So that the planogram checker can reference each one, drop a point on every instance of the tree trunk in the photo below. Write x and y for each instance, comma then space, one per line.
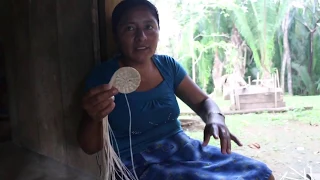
289, 75
311, 53
286, 55
216, 73
194, 70
239, 62
283, 71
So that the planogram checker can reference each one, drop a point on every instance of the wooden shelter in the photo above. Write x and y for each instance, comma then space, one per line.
265, 95
50, 46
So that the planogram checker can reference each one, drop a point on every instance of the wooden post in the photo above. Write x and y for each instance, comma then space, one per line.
237, 98
51, 48
111, 45
275, 90
278, 81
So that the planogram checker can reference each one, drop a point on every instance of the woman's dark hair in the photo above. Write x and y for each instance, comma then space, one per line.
126, 5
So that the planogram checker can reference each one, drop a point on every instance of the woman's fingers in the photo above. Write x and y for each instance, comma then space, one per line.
215, 131
222, 133
104, 112
97, 90
98, 102
100, 97
224, 139
99, 111
229, 144
207, 133
102, 105
235, 139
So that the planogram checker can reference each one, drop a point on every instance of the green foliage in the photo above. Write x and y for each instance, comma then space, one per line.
304, 77
205, 27
258, 22
299, 38
204, 30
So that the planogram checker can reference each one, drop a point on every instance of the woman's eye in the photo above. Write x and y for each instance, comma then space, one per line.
149, 27
130, 28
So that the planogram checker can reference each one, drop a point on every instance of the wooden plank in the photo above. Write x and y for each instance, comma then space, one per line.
21, 164
76, 60
7, 45
25, 120
111, 46
102, 30
95, 31
259, 98
261, 105
257, 89
5, 131
53, 44
46, 71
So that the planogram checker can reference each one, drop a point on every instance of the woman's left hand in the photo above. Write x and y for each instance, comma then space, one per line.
218, 129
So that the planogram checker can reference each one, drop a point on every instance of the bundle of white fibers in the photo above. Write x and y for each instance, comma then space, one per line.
126, 80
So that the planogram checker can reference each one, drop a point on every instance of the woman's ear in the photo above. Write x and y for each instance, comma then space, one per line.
116, 42
118, 48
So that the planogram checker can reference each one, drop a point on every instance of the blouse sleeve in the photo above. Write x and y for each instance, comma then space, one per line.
178, 72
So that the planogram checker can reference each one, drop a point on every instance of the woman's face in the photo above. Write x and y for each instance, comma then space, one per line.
138, 34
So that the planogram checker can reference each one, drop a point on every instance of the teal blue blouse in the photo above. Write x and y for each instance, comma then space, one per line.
154, 112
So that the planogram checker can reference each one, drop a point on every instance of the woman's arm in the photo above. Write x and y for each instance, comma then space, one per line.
97, 104
196, 99
209, 112
90, 135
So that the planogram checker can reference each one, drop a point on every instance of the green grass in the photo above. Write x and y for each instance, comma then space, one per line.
291, 101
237, 123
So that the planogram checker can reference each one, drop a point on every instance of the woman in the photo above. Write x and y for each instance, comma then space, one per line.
161, 149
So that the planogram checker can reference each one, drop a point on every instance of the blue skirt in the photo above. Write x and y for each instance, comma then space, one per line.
181, 157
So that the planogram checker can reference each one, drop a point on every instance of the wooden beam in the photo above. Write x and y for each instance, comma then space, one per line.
7, 40
111, 46
52, 47
76, 59
22, 79
49, 52
46, 78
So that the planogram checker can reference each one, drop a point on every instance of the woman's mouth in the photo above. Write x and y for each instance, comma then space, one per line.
142, 48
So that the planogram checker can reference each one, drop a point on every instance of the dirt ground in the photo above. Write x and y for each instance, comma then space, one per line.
289, 148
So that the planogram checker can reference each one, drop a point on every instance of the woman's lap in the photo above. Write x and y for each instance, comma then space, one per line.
180, 157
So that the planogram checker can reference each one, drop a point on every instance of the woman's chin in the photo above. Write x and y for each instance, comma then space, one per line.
142, 57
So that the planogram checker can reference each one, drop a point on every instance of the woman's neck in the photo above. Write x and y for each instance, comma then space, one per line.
143, 66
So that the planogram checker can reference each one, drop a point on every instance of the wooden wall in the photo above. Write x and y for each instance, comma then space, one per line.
50, 46
109, 6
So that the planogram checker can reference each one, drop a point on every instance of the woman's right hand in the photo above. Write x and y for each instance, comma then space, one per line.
99, 101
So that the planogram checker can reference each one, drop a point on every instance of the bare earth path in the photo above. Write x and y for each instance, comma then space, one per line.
286, 147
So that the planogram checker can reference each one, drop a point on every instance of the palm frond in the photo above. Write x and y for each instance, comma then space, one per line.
305, 77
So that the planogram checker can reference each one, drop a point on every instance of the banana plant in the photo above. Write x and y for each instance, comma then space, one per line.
258, 22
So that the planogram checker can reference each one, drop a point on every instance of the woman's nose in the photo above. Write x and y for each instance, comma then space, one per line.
140, 35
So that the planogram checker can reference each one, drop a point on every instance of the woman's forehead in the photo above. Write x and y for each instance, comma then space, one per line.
138, 14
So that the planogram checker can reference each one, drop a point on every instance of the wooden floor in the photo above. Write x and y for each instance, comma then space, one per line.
20, 164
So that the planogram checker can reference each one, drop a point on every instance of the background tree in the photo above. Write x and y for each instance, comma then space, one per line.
273, 34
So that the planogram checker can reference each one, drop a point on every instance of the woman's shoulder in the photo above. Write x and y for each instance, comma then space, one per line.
165, 61
170, 68
163, 58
